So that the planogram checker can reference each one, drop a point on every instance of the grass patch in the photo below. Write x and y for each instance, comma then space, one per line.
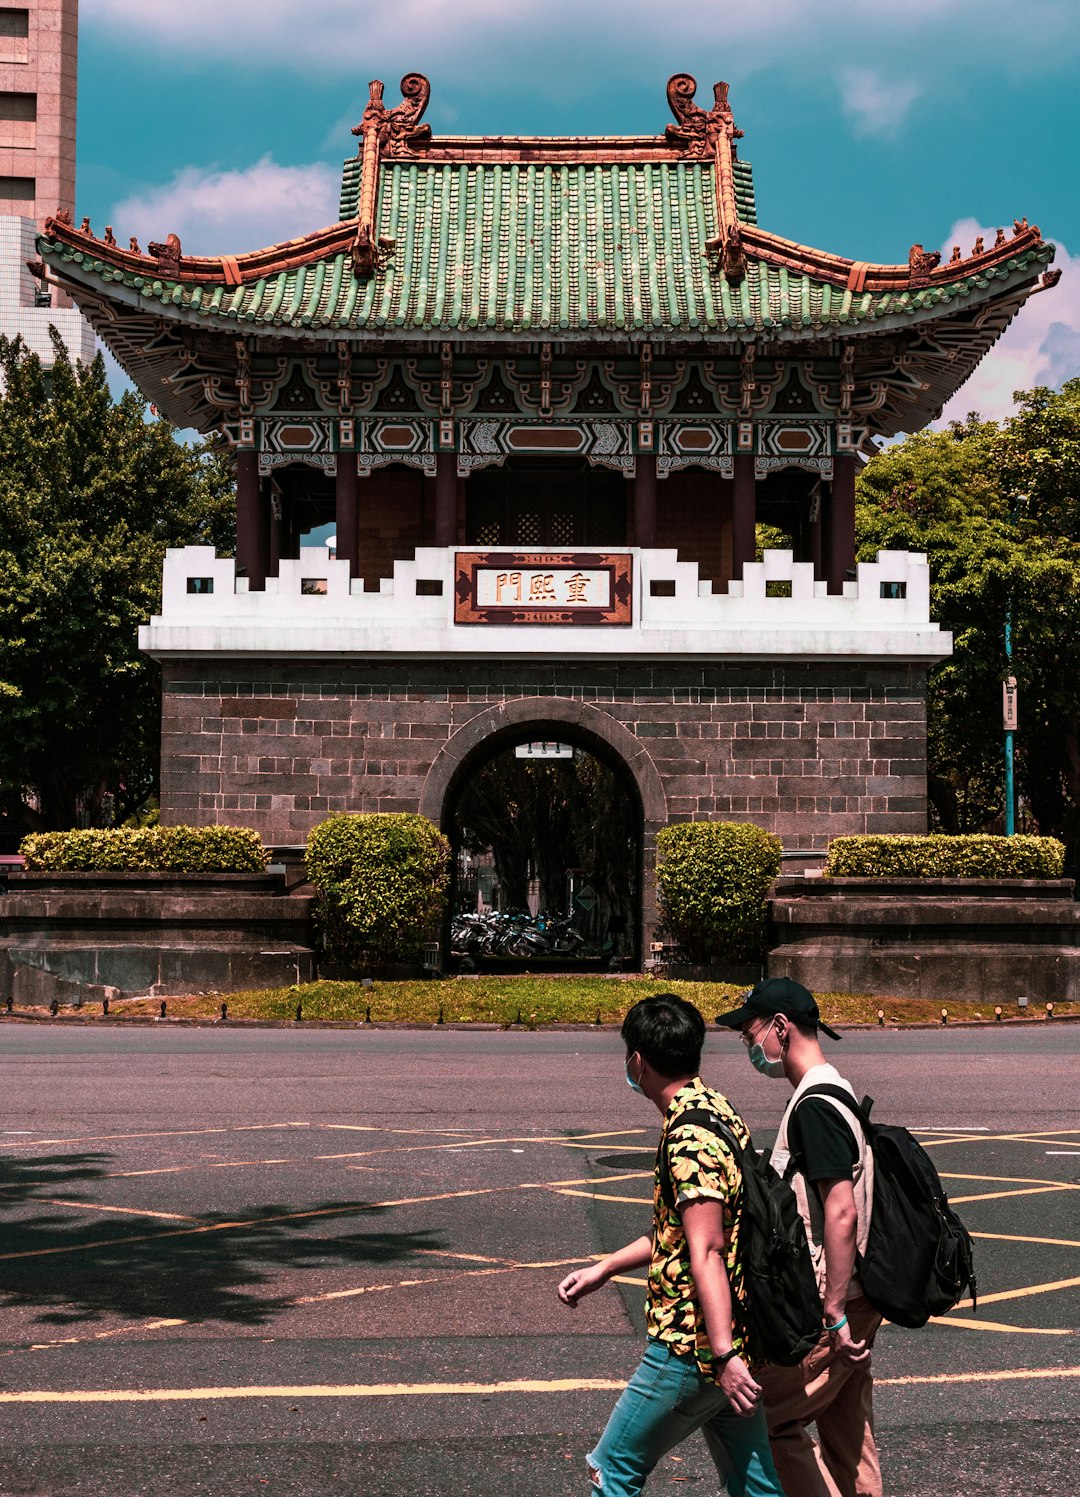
538, 1000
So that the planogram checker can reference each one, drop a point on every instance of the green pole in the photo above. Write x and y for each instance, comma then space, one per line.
1010, 786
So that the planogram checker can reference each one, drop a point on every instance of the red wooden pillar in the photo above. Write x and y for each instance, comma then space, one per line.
347, 512
446, 499
645, 499
743, 515
842, 522
252, 522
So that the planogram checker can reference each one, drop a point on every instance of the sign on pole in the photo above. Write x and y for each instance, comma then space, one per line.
1009, 704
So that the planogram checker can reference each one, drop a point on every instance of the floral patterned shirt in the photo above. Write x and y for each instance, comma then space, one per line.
702, 1165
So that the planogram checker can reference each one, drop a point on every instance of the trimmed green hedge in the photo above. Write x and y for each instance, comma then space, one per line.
712, 878
152, 849
381, 882
941, 856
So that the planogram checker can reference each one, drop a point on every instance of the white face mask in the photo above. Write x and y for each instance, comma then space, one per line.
761, 1062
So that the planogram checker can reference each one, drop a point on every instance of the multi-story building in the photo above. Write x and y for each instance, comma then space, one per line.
38, 60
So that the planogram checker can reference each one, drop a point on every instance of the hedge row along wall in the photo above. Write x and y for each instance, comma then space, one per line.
940, 856
152, 849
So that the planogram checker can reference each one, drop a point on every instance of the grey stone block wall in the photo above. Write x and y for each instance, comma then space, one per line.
807, 751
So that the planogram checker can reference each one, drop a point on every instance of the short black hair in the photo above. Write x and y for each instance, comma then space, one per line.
666, 1031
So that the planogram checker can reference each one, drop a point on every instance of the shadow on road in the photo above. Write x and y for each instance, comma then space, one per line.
75, 1269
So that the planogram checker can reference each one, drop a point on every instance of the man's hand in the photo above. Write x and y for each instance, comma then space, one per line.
581, 1282
737, 1382
855, 1353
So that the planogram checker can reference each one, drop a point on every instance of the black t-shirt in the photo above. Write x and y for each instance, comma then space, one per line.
821, 1142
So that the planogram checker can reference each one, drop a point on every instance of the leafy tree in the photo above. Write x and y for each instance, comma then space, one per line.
544, 817
996, 509
91, 493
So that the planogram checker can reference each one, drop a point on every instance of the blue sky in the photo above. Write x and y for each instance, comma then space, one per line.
870, 124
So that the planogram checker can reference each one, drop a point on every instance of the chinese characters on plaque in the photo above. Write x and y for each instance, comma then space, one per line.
495, 587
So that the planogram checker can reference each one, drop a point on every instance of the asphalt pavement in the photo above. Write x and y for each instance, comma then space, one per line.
324, 1262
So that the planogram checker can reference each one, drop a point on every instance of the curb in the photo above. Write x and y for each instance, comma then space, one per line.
145, 1021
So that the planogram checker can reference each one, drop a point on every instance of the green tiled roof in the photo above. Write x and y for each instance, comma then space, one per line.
591, 248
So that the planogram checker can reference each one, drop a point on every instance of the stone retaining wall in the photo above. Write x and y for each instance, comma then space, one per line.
87, 936
944, 939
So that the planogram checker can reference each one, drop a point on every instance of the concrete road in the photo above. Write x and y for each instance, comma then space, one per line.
315, 1262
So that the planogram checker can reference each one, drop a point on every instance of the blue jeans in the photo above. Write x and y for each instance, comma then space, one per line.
666, 1400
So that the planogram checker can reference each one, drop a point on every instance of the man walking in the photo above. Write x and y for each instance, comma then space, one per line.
695, 1373
822, 1150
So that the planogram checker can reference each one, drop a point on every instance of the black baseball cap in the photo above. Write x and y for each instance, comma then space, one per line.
777, 995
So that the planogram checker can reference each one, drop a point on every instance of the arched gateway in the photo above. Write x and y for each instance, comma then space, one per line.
546, 389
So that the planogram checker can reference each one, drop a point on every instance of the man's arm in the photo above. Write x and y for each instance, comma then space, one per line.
839, 1241
583, 1281
703, 1224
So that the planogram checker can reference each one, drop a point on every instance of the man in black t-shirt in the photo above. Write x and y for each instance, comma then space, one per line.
821, 1149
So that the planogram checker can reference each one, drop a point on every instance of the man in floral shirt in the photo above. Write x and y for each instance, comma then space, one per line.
695, 1373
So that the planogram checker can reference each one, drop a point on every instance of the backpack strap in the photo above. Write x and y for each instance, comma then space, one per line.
701, 1117
860, 1110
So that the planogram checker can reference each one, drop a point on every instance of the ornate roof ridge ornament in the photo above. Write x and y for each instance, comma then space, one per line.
394, 133
700, 134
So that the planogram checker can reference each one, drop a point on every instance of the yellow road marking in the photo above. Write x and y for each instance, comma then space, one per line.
1017, 1374
1009, 1294
1042, 1241
1004, 1195
315, 1390
100, 1138
1015, 1180
429, 1390
998, 1325
996, 1138
592, 1195
169, 1216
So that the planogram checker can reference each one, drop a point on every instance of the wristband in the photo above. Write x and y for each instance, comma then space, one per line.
725, 1358
839, 1326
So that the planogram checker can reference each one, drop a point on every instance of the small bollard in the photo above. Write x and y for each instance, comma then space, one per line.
10, 1002
163, 1008
1022, 1004
54, 1008
1049, 1010
105, 1007
440, 1019
596, 1021
299, 1013
518, 1020
367, 1014
881, 1018
997, 1013
224, 1011
944, 1016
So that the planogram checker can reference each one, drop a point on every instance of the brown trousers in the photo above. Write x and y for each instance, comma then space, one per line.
828, 1391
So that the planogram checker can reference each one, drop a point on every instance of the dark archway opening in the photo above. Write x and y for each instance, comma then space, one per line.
546, 502
546, 825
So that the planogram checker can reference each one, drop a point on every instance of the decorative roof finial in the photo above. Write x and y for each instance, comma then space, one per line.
697, 130
398, 130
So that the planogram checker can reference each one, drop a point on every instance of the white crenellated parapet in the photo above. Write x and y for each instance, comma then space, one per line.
777, 611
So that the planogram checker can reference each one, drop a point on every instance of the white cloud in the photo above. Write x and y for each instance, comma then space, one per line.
231, 212
566, 44
1040, 347
874, 106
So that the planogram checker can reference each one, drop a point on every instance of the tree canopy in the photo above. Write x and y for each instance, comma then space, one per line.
996, 507
92, 490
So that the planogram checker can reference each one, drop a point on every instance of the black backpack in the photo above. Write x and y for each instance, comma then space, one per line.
919, 1258
783, 1307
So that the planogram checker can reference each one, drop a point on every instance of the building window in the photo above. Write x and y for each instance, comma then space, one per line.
18, 121
662, 588
428, 587
200, 584
313, 587
17, 189
778, 589
14, 34
894, 589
